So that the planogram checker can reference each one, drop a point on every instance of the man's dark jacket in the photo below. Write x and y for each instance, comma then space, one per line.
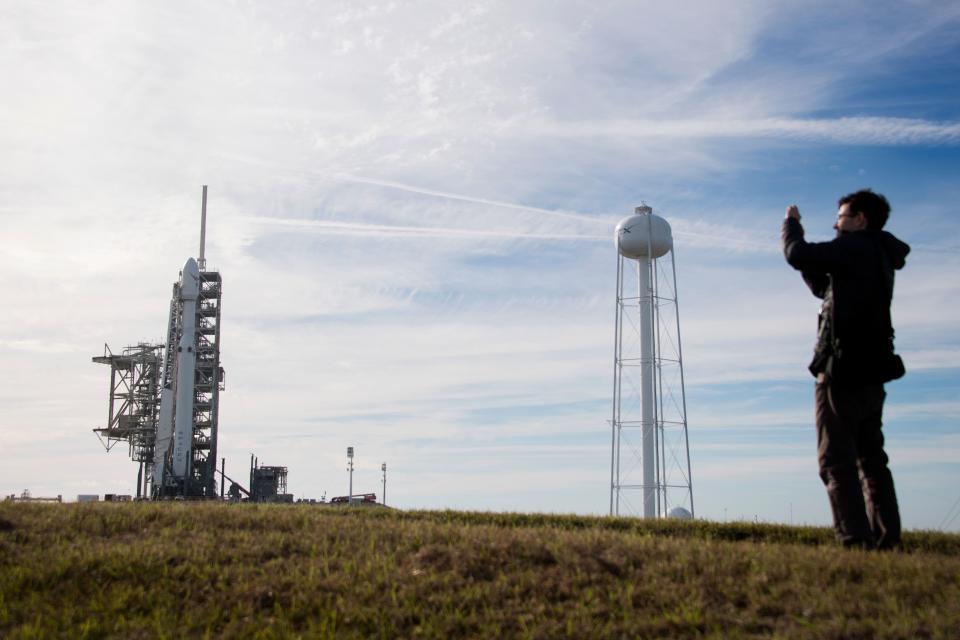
853, 274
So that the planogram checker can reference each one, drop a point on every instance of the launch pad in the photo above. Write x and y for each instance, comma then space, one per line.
165, 399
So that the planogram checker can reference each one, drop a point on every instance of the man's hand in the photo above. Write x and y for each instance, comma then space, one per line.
793, 211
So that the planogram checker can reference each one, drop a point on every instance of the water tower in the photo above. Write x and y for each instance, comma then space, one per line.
650, 453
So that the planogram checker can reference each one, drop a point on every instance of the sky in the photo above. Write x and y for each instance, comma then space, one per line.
412, 206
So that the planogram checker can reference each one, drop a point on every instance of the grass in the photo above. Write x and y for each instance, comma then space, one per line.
174, 570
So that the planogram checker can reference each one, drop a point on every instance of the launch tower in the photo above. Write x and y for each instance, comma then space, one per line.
185, 456
168, 409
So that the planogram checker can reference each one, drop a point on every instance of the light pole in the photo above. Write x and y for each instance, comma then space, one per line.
383, 467
350, 469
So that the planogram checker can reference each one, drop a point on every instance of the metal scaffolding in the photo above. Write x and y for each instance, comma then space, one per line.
134, 405
208, 383
268, 484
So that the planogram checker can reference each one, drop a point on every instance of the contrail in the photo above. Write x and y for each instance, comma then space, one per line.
390, 184
346, 177
362, 228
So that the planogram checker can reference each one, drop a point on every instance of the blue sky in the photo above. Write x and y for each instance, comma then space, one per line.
412, 205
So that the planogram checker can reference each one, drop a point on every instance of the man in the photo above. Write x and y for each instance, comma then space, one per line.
853, 274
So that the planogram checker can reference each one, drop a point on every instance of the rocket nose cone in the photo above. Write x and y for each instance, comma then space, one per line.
190, 266
190, 280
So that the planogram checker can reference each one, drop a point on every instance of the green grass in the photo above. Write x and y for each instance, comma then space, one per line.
178, 570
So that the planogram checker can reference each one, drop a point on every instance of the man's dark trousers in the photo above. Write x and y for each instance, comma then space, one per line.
853, 464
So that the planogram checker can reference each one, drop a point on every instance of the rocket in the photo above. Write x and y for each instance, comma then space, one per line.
186, 370
173, 448
185, 446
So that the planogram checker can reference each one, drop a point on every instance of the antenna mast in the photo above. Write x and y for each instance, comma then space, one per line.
201, 261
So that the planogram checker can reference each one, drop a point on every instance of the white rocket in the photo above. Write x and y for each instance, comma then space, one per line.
175, 429
186, 370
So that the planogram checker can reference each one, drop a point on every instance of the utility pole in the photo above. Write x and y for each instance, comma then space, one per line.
383, 467
350, 469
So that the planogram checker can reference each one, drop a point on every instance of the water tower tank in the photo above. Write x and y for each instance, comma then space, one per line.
642, 233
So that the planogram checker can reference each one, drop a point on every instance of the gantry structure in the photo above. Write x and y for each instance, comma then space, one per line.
165, 399
199, 448
134, 405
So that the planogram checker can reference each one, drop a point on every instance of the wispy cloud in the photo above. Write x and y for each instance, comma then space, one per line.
845, 130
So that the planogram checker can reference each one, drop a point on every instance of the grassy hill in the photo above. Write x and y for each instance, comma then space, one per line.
174, 570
